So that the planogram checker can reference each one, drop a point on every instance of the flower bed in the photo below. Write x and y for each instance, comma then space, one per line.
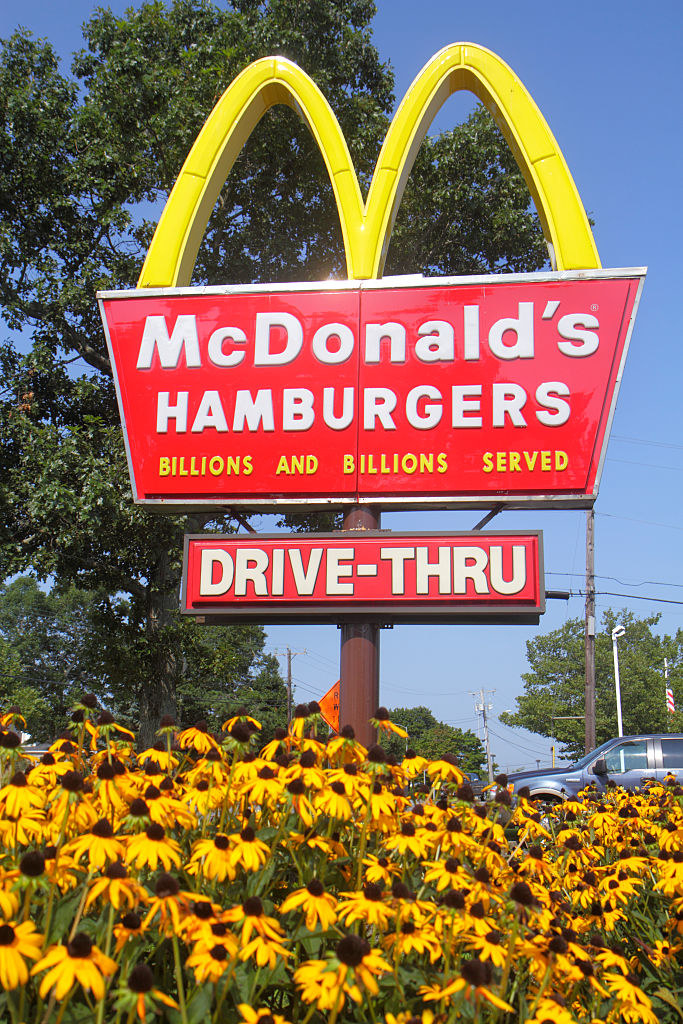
205, 880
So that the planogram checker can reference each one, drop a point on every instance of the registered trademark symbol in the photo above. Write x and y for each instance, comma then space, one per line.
594, 307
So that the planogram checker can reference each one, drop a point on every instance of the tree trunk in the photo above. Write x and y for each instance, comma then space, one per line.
158, 690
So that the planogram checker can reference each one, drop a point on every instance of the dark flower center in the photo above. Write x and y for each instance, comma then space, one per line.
476, 972
72, 781
131, 921
522, 894
18, 779
315, 887
6, 934
116, 870
377, 754
247, 834
203, 910
80, 946
155, 832
452, 865
407, 828
152, 793
372, 892
219, 928
252, 906
105, 771
140, 978
296, 787
106, 718
351, 950
102, 829
138, 808
32, 864
221, 842
218, 952
382, 715
166, 886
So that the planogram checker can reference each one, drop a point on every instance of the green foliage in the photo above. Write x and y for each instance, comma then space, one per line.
87, 160
555, 684
431, 738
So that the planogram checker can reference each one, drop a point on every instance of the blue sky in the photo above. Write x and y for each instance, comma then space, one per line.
607, 76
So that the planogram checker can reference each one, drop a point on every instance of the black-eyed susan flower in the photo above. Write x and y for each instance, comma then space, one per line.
383, 723
315, 903
211, 858
77, 962
197, 738
153, 847
351, 970
247, 850
446, 769
116, 887
367, 905
414, 938
100, 845
210, 963
131, 926
169, 903
139, 996
18, 943
261, 1016
19, 797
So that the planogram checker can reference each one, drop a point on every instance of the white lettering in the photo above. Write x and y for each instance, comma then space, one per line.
522, 327
436, 342
432, 412
297, 409
166, 412
579, 342
253, 411
378, 404
498, 582
397, 557
208, 587
346, 343
424, 569
335, 571
376, 333
210, 414
469, 563
304, 580
547, 395
466, 399
508, 399
343, 421
155, 335
294, 339
250, 567
215, 350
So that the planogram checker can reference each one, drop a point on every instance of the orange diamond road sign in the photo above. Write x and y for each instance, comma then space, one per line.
329, 707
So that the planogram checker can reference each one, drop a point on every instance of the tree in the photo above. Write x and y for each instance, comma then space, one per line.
88, 160
554, 686
431, 738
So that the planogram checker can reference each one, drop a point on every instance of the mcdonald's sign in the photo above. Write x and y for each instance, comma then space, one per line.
404, 391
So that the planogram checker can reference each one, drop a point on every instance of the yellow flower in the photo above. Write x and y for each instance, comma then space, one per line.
139, 994
210, 963
100, 845
382, 722
445, 769
197, 738
366, 906
212, 858
116, 887
354, 967
248, 851
151, 847
18, 942
251, 1016
168, 902
79, 961
317, 904
18, 797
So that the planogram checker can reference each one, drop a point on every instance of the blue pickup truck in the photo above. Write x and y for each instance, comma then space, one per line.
627, 761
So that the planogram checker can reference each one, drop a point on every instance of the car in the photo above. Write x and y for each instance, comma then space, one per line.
476, 782
627, 761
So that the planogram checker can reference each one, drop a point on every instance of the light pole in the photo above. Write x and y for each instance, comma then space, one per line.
616, 633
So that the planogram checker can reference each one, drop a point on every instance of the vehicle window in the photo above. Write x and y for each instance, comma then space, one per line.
626, 757
672, 754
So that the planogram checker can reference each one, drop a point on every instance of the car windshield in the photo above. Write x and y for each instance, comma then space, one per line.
593, 755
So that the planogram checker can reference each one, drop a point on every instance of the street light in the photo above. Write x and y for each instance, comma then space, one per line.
616, 633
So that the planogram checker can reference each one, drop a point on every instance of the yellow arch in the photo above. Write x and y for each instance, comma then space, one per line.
366, 228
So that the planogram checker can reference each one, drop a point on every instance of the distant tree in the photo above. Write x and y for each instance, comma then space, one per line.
554, 686
54, 646
431, 738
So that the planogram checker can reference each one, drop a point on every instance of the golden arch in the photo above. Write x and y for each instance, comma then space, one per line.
366, 227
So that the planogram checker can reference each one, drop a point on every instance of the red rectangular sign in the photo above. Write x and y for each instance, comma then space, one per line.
401, 392
413, 577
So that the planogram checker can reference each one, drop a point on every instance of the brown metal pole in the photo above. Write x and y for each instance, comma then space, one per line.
590, 630
359, 656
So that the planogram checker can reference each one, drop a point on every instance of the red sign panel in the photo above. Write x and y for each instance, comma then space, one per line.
370, 575
412, 391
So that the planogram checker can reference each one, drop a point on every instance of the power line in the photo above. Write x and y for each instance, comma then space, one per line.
631, 597
648, 465
644, 522
623, 583
642, 440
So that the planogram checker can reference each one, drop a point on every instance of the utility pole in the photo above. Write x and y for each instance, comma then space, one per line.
289, 654
590, 631
482, 708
